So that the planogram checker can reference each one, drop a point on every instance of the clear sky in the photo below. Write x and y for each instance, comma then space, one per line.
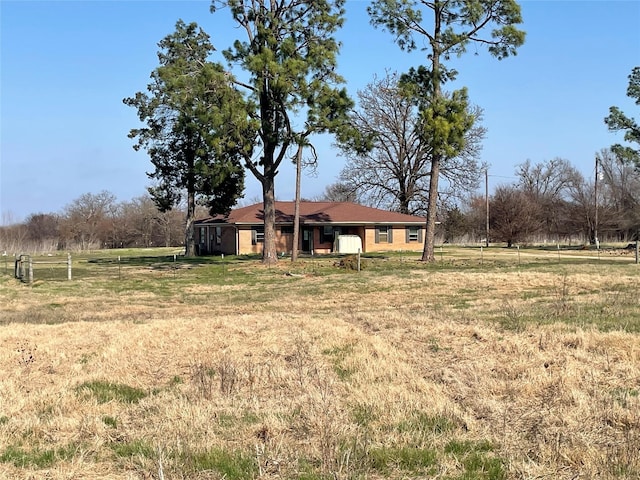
65, 67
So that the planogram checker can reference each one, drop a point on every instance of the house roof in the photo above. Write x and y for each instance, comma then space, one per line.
315, 213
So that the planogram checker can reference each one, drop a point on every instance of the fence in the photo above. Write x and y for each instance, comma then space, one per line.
24, 266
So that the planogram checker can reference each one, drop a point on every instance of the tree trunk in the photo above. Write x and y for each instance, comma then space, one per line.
189, 237
296, 209
269, 252
428, 253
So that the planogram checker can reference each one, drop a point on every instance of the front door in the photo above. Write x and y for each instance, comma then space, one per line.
307, 239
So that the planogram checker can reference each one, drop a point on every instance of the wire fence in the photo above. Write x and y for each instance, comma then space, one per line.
64, 267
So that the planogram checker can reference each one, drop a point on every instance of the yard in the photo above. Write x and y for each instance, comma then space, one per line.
493, 364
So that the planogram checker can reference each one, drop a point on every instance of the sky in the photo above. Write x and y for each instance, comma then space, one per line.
65, 67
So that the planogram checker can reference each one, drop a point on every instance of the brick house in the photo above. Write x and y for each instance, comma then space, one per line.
242, 231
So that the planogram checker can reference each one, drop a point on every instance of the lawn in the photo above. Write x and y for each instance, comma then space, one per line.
499, 364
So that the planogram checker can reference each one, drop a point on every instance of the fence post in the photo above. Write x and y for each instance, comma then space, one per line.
637, 251
30, 270
68, 266
358, 259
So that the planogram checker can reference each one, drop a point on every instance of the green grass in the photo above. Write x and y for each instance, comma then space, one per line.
110, 421
133, 448
426, 425
338, 355
229, 465
39, 458
416, 461
104, 391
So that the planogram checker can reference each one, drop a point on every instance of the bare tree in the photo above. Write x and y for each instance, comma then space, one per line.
395, 173
86, 222
514, 217
548, 184
620, 196
339, 192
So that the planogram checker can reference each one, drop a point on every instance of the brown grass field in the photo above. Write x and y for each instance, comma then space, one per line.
473, 368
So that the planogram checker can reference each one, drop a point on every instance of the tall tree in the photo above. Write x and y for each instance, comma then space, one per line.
618, 121
394, 173
195, 128
454, 25
290, 57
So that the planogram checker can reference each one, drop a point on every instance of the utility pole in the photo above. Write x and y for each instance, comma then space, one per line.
486, 199
595, 226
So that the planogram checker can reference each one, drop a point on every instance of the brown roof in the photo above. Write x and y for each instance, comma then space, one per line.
315, 213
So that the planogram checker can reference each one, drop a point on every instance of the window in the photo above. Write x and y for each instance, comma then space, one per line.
218, 236
257, 235
286, 230
326, 234
384, 234
414, 234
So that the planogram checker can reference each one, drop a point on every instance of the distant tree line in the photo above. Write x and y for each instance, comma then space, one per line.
549, 201
95, 221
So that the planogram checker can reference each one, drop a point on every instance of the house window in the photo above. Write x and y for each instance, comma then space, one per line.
257, 235
414, 234
218, 239
286, 230
326, 234
203, 235
384, 234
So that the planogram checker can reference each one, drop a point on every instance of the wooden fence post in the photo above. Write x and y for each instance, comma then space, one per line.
68, 266
30, 270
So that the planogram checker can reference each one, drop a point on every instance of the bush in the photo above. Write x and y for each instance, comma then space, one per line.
351, 263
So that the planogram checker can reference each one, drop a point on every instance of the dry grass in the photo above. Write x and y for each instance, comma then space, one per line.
401, 371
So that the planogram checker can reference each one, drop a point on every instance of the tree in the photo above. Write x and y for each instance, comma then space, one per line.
620, 196
394, 173
86, 221
42, 229
618, 121
456, 24
548, 185
290, 56
339, 192
195, 127
514, 217
455, 224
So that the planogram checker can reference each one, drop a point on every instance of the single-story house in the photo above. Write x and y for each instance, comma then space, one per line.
321, 225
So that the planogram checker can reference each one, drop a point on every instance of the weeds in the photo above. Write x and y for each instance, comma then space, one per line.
203, 377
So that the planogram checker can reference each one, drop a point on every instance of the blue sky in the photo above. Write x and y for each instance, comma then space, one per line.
65, 67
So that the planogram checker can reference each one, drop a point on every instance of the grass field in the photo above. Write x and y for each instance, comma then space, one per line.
493, 365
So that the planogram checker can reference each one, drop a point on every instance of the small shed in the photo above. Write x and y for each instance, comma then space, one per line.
348, 244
